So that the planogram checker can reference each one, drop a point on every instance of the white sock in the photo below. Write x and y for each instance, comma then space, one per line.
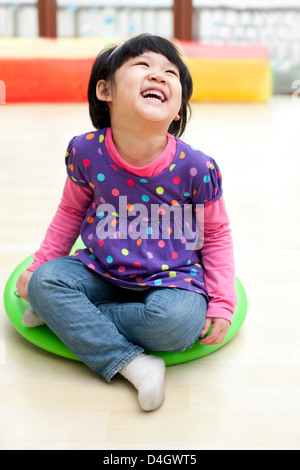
147, 374
31, 318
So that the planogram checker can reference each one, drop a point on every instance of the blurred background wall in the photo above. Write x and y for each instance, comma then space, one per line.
273, 24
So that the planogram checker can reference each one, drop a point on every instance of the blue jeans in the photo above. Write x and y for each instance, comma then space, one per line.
106, 326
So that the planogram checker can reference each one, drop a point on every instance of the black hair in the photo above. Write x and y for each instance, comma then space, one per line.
111, 59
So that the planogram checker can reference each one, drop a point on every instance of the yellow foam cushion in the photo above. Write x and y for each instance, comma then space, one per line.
230, 79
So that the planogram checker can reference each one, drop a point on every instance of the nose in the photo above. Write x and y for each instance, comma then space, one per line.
157, 77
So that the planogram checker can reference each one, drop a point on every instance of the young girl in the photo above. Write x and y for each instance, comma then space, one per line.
147, 279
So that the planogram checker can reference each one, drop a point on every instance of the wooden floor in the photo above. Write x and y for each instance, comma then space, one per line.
244, 396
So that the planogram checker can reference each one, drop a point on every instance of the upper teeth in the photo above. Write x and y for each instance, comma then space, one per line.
154, 94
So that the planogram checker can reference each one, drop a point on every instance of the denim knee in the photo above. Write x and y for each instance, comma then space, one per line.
177, 324
48, 277
37, 284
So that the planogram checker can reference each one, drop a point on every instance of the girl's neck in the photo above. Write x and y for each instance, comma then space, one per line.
138, 149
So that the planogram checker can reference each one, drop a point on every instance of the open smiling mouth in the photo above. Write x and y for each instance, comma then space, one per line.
154, 95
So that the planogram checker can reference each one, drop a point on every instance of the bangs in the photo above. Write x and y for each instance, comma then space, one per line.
145, 43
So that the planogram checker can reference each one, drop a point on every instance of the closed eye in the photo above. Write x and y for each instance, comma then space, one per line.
142, 63
173, 72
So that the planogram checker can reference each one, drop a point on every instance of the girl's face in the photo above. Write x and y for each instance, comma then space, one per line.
146, 87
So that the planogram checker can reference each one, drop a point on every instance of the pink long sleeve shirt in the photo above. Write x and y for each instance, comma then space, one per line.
216, 253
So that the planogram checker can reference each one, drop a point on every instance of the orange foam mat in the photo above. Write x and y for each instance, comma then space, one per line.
45, 80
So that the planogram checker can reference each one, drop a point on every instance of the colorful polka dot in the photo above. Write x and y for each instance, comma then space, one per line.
121, 269
206, 179
125, 252
100, 177
161, 243
90, 136
176, 180
114, 167
143, 180
193, 272
115, 192
182, 155
174, 255
150, 255
137, 264
161, 211
172, 167
160, 190
193, 171
158, 282
90, 220
91, 266
139, 242
101, 138
130, 182
172, 274
109, 259
100, 242
145, 198
86, 162
165, 267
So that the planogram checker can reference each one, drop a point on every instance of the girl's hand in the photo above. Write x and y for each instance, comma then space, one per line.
22, 284
220, 327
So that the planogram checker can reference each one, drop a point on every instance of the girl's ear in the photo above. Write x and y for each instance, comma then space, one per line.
103, 92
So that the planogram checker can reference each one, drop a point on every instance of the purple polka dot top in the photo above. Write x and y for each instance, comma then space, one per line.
144, 232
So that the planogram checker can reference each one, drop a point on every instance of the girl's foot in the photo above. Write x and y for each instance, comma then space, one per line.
31, 318
147, 374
